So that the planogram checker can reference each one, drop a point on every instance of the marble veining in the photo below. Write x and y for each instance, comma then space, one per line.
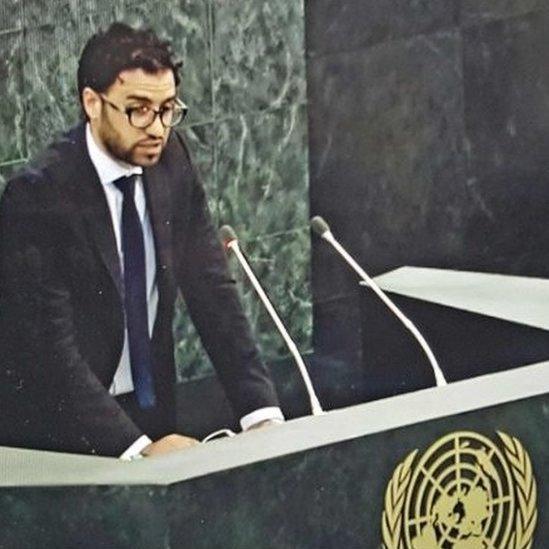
262, 171
11, 15
12, 118
475, 12
338, 26
258, 55
59, 11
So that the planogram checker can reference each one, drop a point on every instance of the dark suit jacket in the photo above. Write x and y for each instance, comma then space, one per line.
61, 312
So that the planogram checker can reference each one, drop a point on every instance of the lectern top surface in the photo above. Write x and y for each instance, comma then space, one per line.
514, 298
20, 467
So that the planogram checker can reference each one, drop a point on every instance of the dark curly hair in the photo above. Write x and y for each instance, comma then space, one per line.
120, 47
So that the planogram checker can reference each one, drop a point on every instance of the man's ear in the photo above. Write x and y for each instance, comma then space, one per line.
92, 103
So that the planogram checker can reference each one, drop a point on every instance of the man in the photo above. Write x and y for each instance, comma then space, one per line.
95, 240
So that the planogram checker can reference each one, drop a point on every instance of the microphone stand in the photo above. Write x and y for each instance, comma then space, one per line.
231, 242
322, 229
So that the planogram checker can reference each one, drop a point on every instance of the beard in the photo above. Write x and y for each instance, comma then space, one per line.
133, 155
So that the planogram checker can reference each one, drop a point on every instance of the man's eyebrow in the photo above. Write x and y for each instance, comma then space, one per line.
147, 99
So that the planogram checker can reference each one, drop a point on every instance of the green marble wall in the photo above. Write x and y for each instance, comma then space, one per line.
244, 80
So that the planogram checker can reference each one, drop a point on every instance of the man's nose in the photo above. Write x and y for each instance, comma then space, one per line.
156, 129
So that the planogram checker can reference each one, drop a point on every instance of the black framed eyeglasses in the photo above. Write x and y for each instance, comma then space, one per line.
143, 116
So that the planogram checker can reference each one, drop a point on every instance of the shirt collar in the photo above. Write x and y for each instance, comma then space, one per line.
108, 168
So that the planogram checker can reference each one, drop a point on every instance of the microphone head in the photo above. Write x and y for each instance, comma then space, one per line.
227, 235
319, 226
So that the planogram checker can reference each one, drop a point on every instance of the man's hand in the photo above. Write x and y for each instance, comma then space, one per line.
167, 444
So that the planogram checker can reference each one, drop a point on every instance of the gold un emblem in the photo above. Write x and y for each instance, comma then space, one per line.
463, 493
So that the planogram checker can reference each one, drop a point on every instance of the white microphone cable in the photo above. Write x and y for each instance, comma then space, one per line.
321, 228
230, 240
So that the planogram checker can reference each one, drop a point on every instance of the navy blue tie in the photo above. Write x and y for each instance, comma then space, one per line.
135, 296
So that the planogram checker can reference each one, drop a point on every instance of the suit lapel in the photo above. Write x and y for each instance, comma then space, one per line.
157, 192
95, 210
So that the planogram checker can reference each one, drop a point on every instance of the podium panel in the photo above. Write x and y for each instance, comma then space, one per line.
475, 324
440, 467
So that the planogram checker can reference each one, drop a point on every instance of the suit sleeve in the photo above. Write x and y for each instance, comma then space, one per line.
214, 305
37, 303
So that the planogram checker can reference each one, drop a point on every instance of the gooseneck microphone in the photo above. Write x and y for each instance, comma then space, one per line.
230, 240
322, 229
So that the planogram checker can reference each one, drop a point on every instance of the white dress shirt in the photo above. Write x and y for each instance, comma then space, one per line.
109, 169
